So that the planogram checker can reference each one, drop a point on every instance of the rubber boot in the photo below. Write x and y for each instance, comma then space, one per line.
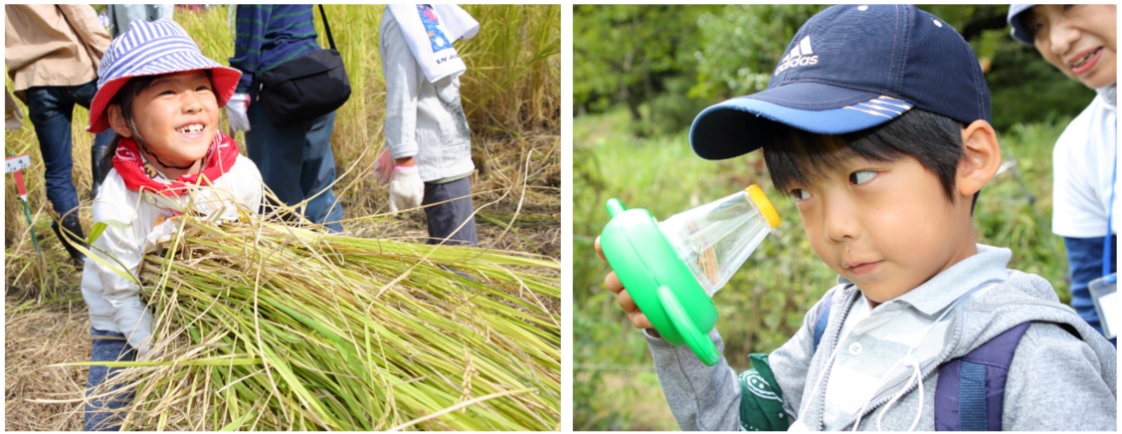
100, 165
75, 236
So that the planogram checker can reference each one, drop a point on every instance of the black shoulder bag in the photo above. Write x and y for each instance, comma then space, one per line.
305, 88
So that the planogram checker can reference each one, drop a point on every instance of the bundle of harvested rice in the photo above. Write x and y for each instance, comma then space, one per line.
267, 327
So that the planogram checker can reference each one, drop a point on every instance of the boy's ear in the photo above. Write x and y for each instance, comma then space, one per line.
980, 160
117, 121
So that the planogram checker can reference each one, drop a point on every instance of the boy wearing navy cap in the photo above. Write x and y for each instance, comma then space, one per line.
876, 122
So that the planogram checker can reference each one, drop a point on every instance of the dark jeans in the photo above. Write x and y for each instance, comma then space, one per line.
51, 110
443, 219
296, 162
1085, 260
100, 414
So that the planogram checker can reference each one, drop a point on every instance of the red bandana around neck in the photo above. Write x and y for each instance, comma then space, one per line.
219, 159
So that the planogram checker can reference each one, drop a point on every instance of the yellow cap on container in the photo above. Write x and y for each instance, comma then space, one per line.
763, 204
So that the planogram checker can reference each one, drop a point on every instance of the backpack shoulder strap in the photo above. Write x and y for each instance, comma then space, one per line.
823, 319
970, 392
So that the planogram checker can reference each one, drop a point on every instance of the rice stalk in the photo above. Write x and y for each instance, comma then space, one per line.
262, 326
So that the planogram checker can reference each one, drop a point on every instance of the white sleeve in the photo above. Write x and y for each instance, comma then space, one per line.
402, 89
1082, 164
121, 247
252, 190
242, 186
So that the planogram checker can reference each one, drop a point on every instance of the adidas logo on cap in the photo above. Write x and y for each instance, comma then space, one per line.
801, 55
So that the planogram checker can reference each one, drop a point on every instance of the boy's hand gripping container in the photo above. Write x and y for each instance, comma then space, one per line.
673, 268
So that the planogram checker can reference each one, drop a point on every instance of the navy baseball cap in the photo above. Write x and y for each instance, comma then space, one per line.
849, 68
1016, 20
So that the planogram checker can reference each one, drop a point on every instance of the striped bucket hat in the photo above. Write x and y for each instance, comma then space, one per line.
153, 48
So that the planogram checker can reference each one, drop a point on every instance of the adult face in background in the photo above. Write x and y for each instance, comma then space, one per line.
1077, 39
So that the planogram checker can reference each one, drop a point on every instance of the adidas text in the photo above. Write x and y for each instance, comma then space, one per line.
797, 61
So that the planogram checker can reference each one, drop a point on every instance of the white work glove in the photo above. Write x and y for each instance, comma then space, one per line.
236, 109
406, 189
383, 167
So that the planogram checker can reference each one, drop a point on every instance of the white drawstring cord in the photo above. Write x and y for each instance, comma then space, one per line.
883, 379
917, 376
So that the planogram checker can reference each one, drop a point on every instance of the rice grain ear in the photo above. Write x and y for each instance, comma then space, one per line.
269, 327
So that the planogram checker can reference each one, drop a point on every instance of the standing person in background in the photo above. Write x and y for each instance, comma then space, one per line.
12, 113
296, 161
428, 142
1079, 40
52, 53
121, 15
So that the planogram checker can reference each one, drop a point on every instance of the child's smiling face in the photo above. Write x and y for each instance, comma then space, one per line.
887, 226
1078, 39
176, 117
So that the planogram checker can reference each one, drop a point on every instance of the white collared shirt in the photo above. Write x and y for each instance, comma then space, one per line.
879, 349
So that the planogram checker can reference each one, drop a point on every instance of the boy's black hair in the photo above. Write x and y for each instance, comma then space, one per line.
796, 156
124, 98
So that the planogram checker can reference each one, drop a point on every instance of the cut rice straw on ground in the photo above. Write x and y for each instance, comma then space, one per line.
263, 326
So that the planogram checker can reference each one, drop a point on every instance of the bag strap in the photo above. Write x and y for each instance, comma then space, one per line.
970, 393
327, 27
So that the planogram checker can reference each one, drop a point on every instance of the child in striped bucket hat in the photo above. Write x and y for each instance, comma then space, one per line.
161, 96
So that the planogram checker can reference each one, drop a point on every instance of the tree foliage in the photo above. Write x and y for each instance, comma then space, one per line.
742, 45
622, 54
672, 59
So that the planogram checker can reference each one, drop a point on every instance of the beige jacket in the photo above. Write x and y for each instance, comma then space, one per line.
52, 45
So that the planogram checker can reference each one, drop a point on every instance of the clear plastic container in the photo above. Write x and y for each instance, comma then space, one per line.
673, 268
714, 240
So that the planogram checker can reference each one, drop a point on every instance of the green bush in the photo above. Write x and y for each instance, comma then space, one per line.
673, 111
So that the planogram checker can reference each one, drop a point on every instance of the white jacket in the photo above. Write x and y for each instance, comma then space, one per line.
424, 120
132, 221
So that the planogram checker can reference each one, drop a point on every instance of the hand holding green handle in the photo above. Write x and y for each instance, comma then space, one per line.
661, 285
